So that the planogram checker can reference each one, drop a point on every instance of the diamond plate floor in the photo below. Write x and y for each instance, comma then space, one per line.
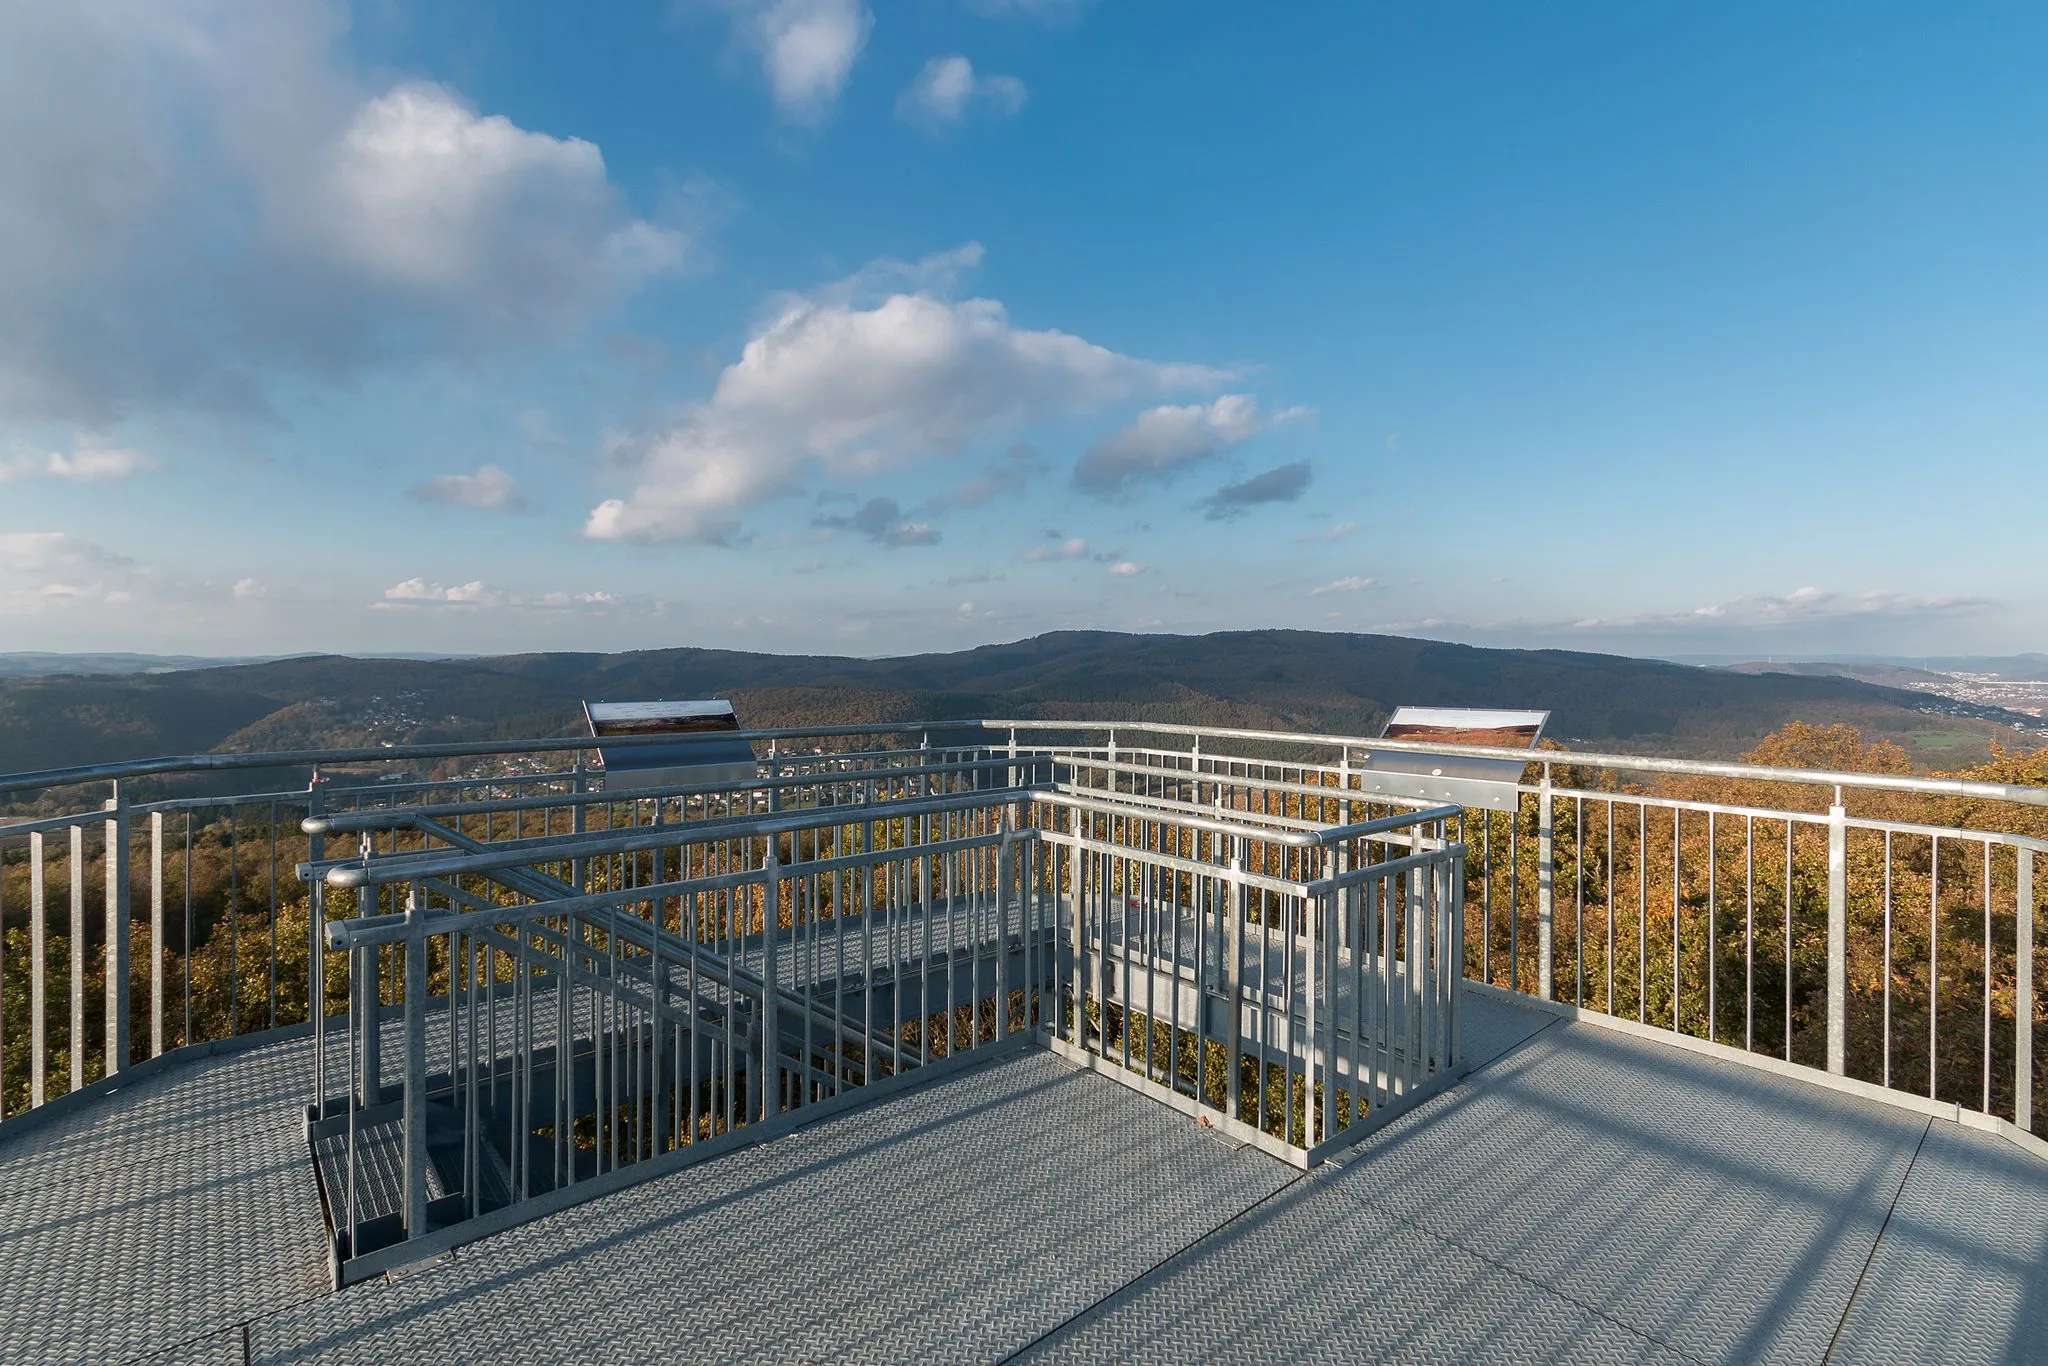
1582, 1196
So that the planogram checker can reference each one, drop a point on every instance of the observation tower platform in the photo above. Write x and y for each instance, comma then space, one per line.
1047, 1049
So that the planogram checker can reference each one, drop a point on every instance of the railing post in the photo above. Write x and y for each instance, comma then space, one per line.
77, 1040
38, 973
316, 952
1546, 887
1233, 979
771, 913
774, 774
365, 970
114, 871
1454, 882
579, 819
414, 1101
1417, 960
2023, 1013
156, 933
1006, 863
1838, 935
1327, 1014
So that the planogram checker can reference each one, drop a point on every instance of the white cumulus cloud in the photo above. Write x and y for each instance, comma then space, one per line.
853, 387
215, 200
421, 593
455, 211
949, 88
1349, 584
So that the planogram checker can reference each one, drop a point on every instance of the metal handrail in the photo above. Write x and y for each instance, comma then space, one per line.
1632, 763
454, 749
1295, 839
410, 866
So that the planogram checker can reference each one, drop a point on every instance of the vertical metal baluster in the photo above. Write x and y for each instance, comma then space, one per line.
38, 972
1486, 885
1713, 931
2023, 1012
1788, 939
114, 954
1749, 932
273, 913
234, 920
1642, 912
185, 948
76, 1040
1987, 977
1933, 966
1608, 904
1579, 899
1677, 863
1515, 895
1887, 958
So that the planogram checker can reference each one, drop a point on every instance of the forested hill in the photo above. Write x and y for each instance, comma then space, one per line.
1277, 679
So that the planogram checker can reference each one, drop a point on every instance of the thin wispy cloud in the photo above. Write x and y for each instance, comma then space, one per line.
421, 593
84, 464
1073, 548
1283, 484
949, 89
881, 520
487, 487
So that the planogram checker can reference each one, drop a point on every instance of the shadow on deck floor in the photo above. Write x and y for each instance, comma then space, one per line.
1583, 1195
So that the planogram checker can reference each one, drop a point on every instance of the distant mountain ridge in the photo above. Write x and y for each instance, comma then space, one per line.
1293, 680
49, 664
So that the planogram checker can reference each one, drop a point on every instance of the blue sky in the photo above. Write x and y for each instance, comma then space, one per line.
822, 325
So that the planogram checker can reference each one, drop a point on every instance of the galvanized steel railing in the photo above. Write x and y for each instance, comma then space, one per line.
1877, 926
1289, 987
532, 1030
133, 929
549, 1018
1881, 927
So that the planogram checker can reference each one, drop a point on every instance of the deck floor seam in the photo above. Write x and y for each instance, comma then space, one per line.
1849, 1307
1055, 1330
1252, 1210
1520, 1275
